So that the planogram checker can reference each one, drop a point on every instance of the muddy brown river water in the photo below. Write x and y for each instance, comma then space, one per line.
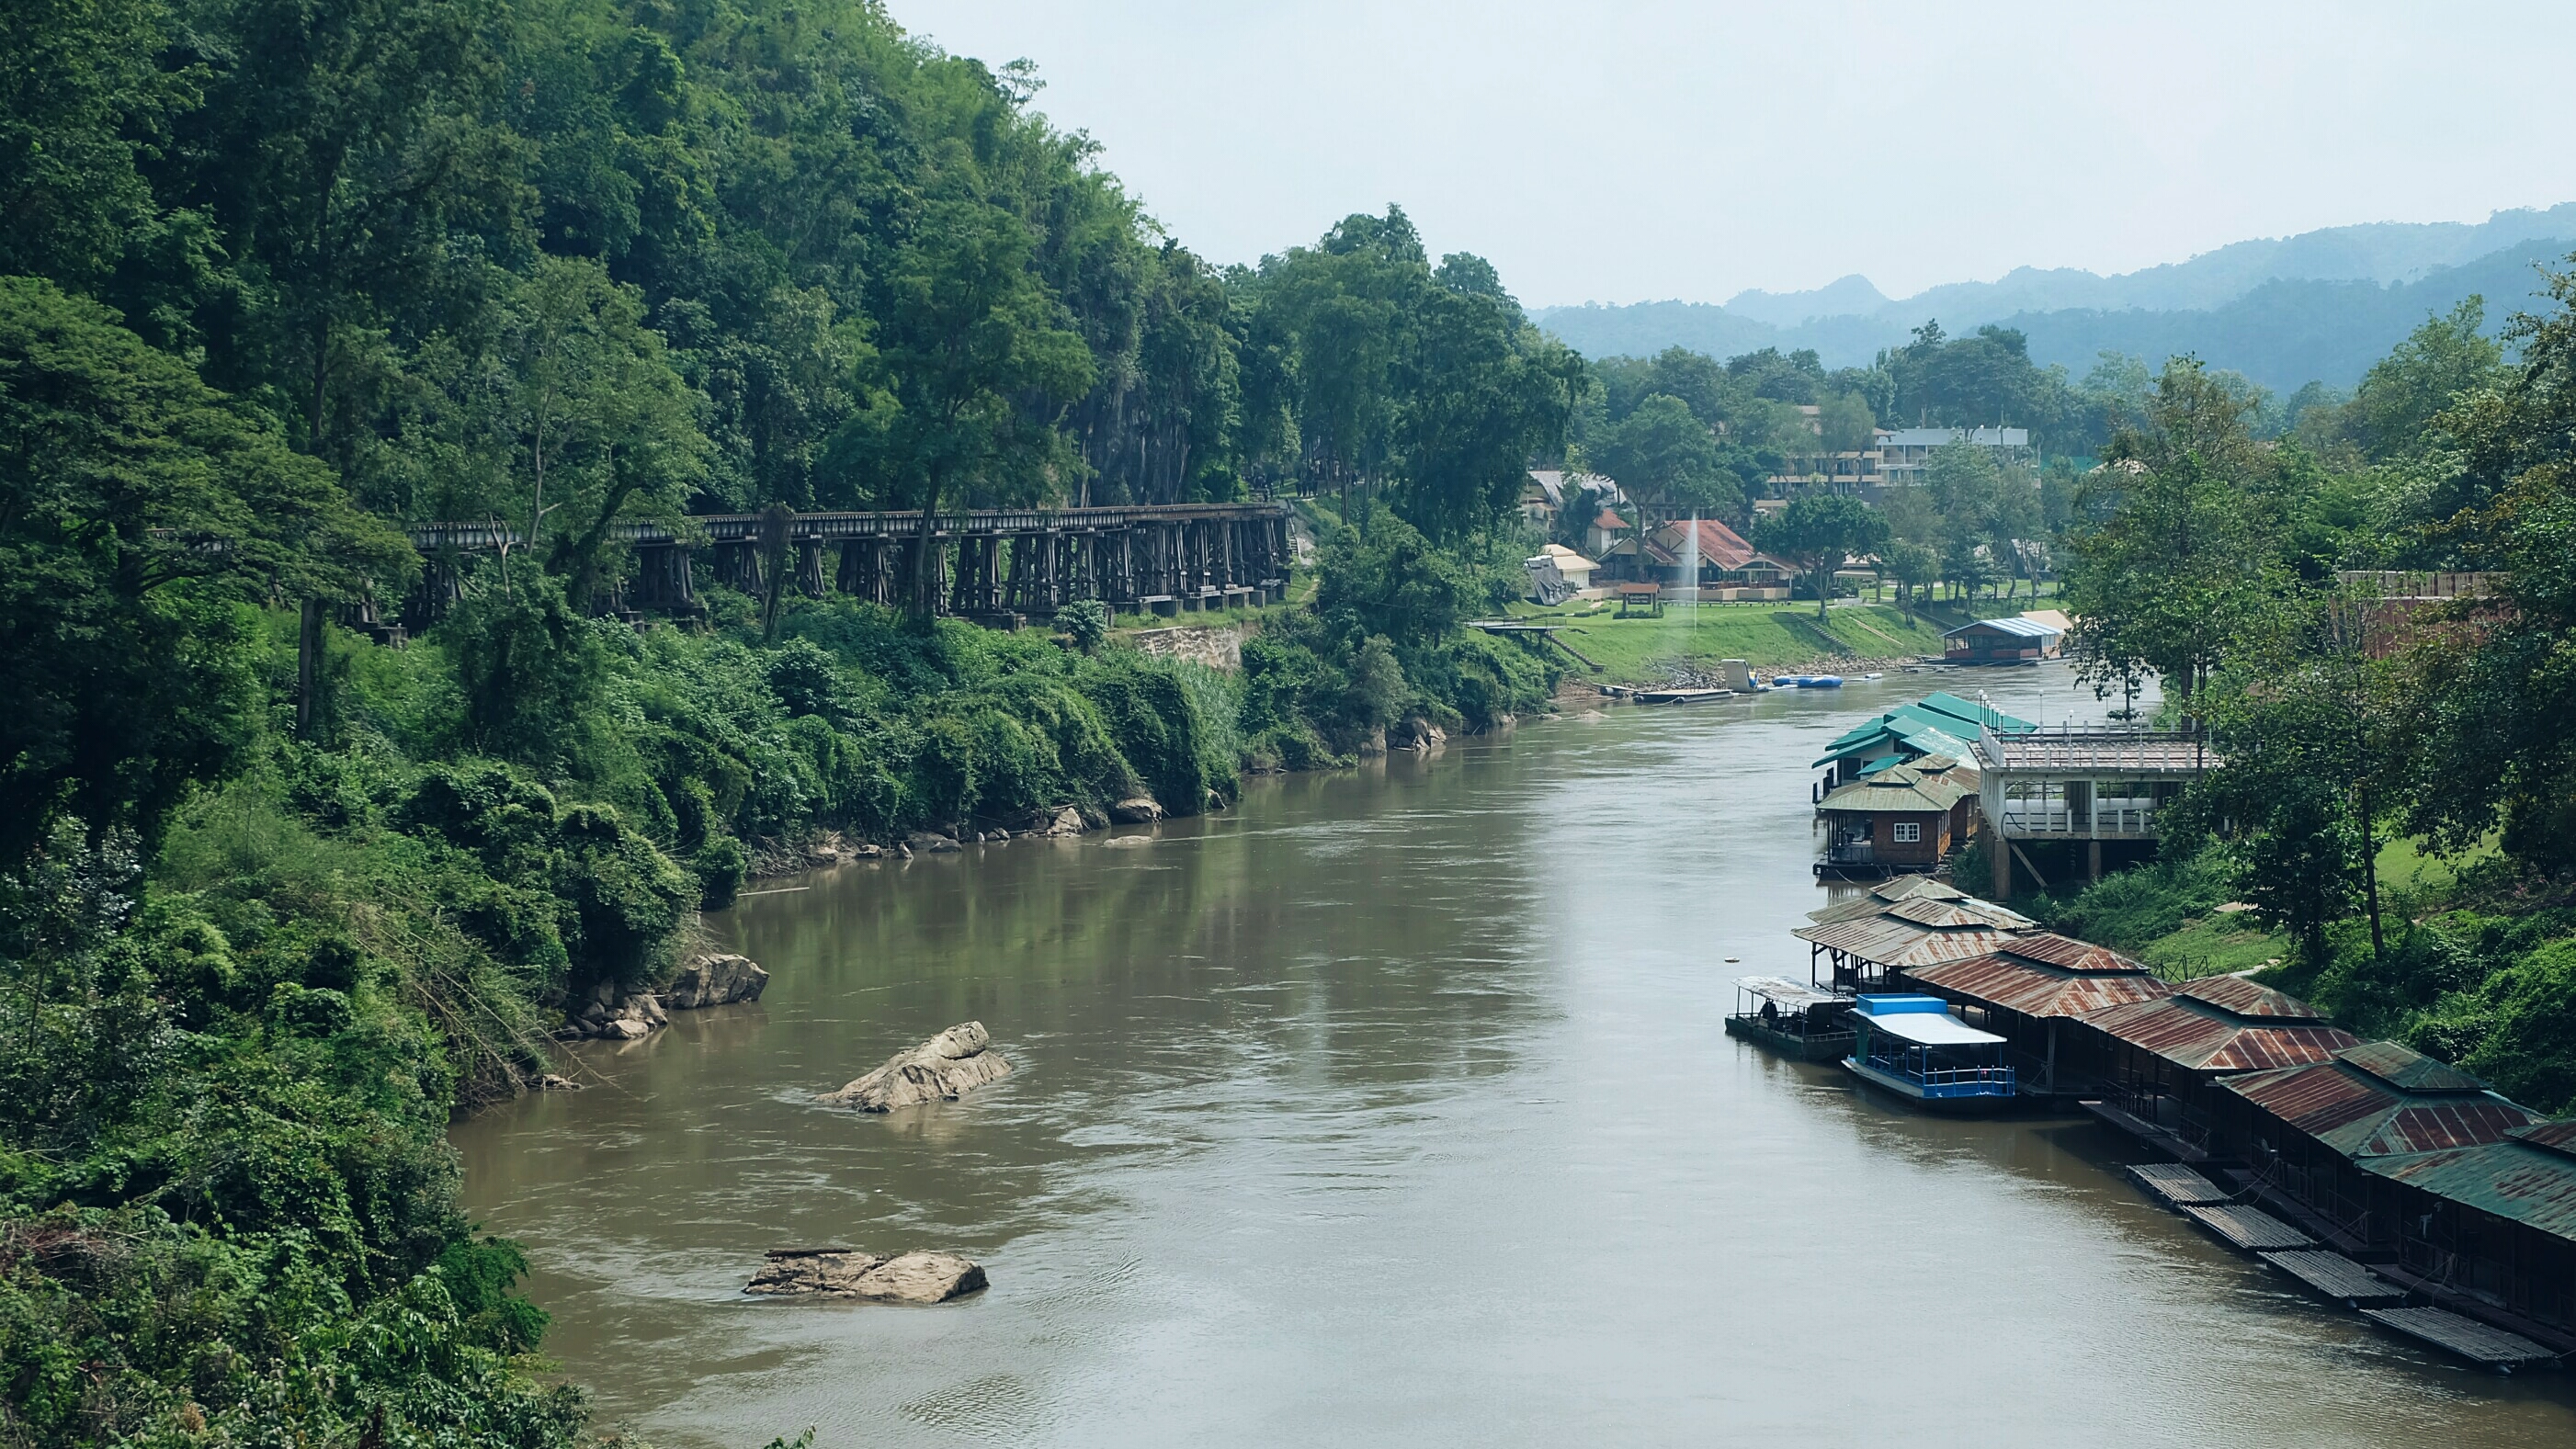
1394, 1107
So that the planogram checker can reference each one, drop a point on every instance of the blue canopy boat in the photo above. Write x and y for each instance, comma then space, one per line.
1912, 1046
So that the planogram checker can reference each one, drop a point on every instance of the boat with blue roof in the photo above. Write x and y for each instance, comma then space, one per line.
1911, 1046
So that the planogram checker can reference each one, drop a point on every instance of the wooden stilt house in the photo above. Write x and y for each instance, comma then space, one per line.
2309, 1131
2159, 1060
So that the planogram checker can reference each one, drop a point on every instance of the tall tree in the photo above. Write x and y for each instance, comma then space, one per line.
1820, 532
1664, 455
972, 371
140, 513
2175, 562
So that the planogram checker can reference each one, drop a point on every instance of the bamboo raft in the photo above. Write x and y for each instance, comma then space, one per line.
2466, 1337
2334, 1276
2248, 1230
2176, 1185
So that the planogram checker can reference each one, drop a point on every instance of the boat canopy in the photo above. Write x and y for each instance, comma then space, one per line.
1789, 995
1922, 1020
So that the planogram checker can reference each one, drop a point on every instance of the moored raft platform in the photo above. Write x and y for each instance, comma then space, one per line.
2249, 1230
2466, 1337
2334, 1276
2177, 1185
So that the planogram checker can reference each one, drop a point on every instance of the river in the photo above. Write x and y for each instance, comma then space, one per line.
1394, 1107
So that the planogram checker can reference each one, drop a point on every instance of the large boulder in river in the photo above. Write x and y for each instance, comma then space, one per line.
916, 1277
941, 1069
718, 980
1137, 810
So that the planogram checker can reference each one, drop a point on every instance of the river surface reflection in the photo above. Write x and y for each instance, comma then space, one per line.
1394, 1107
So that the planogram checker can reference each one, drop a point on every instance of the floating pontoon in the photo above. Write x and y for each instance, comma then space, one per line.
1912, 1046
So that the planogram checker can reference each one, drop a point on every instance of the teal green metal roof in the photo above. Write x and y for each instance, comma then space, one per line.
2516, 1180
1923, 734
1984, 716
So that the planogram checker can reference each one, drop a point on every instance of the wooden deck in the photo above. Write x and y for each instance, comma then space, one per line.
2246, 1229
2334, 1276
2176, 1185
2466, 1337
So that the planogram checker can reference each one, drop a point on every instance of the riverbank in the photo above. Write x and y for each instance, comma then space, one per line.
1690, 640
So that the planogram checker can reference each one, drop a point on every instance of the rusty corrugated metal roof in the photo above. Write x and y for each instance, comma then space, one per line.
1886, 893
2409, 1070
2070, 954
1953, 915
2206, 1038
2240, 997
2361, 1115
2512, 1179
2037, 990
1899, 943
2556, 1136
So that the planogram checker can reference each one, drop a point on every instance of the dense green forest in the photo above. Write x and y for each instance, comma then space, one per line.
2220, 563
278, 277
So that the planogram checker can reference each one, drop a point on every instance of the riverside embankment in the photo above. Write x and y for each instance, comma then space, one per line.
1394, 1105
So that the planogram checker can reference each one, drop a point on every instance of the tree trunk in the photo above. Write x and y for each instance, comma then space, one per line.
308, 670
2370, 879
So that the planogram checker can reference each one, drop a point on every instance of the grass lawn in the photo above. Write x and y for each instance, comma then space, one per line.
2215, 945
1767, 636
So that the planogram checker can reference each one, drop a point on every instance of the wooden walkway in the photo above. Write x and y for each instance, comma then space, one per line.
2332, 1275
2246, 1229
2177, 1185
2479, 1344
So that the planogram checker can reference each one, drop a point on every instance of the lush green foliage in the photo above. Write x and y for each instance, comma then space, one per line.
274, 900
2346, 719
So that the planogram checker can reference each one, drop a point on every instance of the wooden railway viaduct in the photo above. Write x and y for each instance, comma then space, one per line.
994, 565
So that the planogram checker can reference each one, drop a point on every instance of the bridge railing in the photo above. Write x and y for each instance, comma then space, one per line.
834, 527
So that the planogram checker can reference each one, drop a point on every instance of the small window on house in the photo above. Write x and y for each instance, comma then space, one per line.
1909, 832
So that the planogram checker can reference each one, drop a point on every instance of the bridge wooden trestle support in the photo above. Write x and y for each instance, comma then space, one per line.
995, 565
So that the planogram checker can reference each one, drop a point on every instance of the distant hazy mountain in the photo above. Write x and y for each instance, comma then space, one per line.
2322, 305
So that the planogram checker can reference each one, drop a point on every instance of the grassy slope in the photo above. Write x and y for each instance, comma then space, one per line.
2225, 941
1630, 651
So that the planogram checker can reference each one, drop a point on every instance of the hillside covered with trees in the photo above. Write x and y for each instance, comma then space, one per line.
2246, 575
277, 279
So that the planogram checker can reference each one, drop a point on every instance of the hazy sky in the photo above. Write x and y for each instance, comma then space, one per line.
1623, 152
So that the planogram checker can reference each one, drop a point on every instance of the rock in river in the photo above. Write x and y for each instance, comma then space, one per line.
1137, 810
939, 1070
715, 981
916, 1277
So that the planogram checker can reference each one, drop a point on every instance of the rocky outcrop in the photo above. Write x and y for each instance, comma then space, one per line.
1415, 734
1137, 810
941, 1069
915, 1277
930, 842
719, 980
1063, 822
606, 1015
716, 979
